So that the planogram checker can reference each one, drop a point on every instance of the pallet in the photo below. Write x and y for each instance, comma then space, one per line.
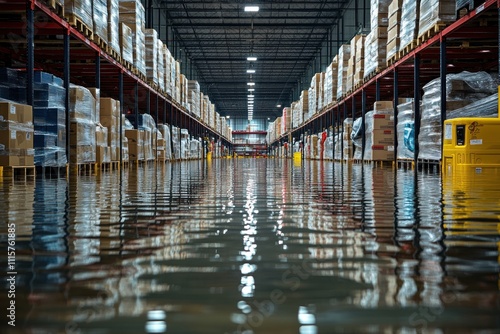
429, 165
154, 85
406, 163
127, 65
55, 6
431, 32
403, 51
100, 42
113, 53
50, 171
468, 5
78, 24
108, 166
393, 59
17, 171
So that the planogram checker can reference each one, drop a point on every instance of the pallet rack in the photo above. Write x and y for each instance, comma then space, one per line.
470, 43
69, 51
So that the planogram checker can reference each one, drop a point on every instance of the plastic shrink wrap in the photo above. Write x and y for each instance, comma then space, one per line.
343, 62
405, 131
185, 146
151, 42
461, 89
409, 18
433, 12
82, 125
114, 25
16, 134
133, 15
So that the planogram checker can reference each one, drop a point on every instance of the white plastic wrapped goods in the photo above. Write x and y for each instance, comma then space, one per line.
161, 65
114, 25
185, 150
406, 113
330, 83
81, 9
461, 89
409, 18
375, 51
176, 143
132, 13
379, 10
329, 146
343, 60
82, 125
433, 12
487, 107
100, 19
165, 130
151, 42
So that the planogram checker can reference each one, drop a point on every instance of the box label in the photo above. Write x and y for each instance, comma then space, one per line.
13, 109
476, 142
13, 134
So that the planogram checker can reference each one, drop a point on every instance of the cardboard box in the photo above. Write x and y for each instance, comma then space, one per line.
383, 106
17, 160
16, 112
108, 107
134, 136
393, 33
382, 153
383, 122
383, 137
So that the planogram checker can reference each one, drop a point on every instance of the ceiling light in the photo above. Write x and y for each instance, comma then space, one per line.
251, 95
278, 106
228, 117
251, 8
250, 71
251, 89
251, 83
252, 58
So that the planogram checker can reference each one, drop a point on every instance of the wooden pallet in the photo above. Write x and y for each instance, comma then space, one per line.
17, 171
109, 166
78, 24
115, 54
154, 85
406, 163
393, 59
431, 32
84, 168
55, 6
50, 171
429, 165
100, 42
403, 51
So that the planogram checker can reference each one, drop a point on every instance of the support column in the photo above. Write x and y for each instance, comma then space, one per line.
98, 71
136, 104
30, 41
416, 103
377, 90
363, 113
66, 87
442, 73
395, 103
120, 97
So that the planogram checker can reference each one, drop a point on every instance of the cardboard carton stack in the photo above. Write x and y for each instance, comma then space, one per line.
151, 42
286, 120
125, 147
103, 151
352, 62
330, 82
376, 40
135, 144
82, 126
161, 65
433, 12
347, 142
359, 70
194, 95
380, 136
304, 105
410, 15
16, 135
314, 93
393, 37
110, 118
343, 63
133, 15
127, 43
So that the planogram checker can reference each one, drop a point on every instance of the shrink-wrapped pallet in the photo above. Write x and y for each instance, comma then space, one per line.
330, 83
435, 12
461, 89
151, 42
79, 9
393, 37
132, 14
405, 131
16, 135
114, 25
161, 65
82, 125
343, 60
100, 19
410, 13
127, 43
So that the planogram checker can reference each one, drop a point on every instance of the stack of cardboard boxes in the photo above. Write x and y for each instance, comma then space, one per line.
343, 63
151, 42
347, 142
110, 118
380, 135
194, 95
100, 19
135, 144
81, 9
16, 135
114, 25
376, 40
330, 83
315, 91
133, 15
82, 126
161, 65
359, 61
393, 39
410, 13
352, 63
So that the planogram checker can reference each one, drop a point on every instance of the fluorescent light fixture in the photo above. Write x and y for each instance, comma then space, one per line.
278, 106
251, 95
251, 9
252, 58
251, 89
251, 83
228, 117
250, 71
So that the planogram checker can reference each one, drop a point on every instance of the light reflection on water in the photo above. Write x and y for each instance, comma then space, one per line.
255, 246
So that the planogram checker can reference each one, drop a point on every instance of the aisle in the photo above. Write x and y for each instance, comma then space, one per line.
253, 246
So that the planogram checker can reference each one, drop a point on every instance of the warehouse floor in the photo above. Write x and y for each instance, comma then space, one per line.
254, 246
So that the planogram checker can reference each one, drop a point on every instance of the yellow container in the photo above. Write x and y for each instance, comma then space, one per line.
297, 156
471, 144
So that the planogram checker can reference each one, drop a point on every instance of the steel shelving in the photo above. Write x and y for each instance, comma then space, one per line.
36, 37
470, 43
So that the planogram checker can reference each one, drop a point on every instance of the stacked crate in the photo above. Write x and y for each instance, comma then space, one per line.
314, 94
359, 70
184, 91
151, 41
133, 15
16, 135
405, 130
127, 43
376, 40
82, 126
304, 105
103, 151
379, 129
177, 81
161, 65
351, 63
168, 71
346, 137
286, 120
410, 15
135, 144
125, 148
393, 39
100, 21
330, 82
113, 25
343, 63
165, 132
194, 95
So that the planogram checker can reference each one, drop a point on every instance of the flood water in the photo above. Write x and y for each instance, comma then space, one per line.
253, 246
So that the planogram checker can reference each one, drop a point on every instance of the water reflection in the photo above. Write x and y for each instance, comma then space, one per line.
255, 246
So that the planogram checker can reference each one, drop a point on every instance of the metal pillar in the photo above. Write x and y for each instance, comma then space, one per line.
353, 111
66, 87
136, 104
396, 97
442, 73
120, 97
98, 71
377, 90
342, 139
363, 113
416, 102
30, 41
148, 102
